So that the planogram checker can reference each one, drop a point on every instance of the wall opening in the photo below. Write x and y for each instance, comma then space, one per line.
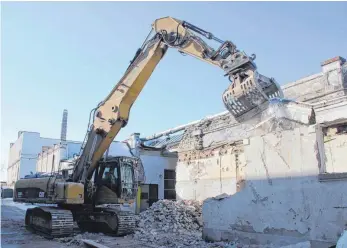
335, 147
53, 168
169, 184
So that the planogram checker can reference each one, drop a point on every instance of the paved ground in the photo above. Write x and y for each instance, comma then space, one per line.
14, 234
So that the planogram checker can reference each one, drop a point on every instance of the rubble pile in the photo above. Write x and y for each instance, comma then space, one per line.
176, 216
173, 224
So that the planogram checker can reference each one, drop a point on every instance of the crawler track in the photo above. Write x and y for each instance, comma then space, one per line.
107, 220
126, 222
49, 222
52, 222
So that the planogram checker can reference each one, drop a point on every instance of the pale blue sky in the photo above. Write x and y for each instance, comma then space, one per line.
58, 55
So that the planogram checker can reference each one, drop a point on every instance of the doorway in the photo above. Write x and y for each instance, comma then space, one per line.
149, 195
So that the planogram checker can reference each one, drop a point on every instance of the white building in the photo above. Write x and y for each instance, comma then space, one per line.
51, 157
29, 154
23, 154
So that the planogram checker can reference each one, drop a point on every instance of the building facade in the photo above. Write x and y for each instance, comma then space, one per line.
51, 158
31, 153
23, 155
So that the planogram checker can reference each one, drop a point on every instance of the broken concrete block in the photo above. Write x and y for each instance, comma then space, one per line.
306, 244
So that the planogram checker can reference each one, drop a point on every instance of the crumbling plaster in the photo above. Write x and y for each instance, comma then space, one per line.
282, 188
206, 177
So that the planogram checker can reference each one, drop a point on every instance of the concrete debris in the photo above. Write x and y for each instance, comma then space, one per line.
165, 215
174, 224
78, 240
171, 224
220, 197
306, 244
91, 243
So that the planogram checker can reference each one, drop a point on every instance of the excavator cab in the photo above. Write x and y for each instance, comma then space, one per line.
115, 180
113, 194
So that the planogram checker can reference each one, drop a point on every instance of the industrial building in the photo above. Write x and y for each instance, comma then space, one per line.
23, 154
29, 152
52, 158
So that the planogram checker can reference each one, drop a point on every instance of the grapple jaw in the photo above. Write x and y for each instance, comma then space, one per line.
248, 90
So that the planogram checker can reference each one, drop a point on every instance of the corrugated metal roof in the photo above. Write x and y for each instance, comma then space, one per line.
165, 141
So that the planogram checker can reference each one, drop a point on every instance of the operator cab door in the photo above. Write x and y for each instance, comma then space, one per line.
116, 180
108, 183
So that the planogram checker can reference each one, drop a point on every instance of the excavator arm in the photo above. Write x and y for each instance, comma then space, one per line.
248, 88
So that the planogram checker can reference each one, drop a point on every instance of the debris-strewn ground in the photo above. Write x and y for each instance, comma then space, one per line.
165, 224
13, 232
77, 239
15, 235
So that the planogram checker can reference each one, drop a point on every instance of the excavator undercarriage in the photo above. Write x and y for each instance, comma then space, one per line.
53, 222
105, 206
111, 221
50, 222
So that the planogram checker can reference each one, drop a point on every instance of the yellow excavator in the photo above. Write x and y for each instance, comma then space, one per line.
100, 193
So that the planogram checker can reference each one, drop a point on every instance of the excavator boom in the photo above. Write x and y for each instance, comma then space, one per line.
248, 88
